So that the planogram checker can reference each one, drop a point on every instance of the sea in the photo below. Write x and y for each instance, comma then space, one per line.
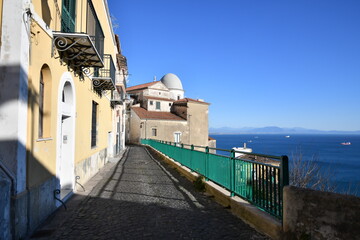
342, 161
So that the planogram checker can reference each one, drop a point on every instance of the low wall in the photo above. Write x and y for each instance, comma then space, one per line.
89, 167
310, 214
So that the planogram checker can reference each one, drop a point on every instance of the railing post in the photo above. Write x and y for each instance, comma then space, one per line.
191, 157
232, 173
284, 171
207, 164
284, 174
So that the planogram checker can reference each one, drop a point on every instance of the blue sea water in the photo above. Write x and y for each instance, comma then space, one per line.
342, 161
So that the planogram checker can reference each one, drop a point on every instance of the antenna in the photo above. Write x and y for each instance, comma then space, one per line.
154, 78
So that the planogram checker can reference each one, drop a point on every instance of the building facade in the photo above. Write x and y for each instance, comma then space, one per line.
62, 111
160, 111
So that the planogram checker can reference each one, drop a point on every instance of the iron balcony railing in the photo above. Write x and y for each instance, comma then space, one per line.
108, 71
103, 79
259, 183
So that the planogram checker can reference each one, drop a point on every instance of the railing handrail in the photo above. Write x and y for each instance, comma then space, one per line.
223, 150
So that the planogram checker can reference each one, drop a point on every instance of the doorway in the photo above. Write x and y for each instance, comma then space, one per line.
66, 137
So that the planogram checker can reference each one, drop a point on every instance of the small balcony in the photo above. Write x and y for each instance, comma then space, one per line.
116, 98
79, 50
122, 61
104, 78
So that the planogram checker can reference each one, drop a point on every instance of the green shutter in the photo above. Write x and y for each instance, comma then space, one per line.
68, 16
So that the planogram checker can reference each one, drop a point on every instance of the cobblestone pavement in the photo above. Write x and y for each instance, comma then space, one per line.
142, 198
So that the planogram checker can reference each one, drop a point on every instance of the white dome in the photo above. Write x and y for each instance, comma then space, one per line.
171, 81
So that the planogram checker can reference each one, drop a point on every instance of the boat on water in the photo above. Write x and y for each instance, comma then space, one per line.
345, 143
287, 136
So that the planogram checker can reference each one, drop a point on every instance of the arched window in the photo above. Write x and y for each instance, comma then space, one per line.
44, 102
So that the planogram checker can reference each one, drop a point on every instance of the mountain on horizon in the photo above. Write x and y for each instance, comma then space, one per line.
275, 130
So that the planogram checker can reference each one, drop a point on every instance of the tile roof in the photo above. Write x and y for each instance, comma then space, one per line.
159, 98
145, 114
141, 86
210, 138
184, 100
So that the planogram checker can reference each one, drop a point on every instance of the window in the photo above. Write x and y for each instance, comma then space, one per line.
157, 105
151, 103
154, 132
94, 124
93, 28
169, 104
178, 97
68, 16
177, 137
41, 106
44, 101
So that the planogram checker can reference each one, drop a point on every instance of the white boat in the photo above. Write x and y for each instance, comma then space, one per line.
345, 143
287, 136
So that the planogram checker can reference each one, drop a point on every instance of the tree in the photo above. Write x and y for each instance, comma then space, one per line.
307, 173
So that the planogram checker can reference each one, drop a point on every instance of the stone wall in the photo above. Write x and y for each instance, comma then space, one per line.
310, 214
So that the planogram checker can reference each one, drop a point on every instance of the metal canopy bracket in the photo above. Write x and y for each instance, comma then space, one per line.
76, 50
102, 84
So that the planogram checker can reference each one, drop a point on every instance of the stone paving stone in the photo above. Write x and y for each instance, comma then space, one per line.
136, 199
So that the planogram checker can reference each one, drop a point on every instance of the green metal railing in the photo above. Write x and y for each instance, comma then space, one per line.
259, 183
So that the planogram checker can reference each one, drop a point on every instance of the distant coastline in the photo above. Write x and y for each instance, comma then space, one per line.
275, 130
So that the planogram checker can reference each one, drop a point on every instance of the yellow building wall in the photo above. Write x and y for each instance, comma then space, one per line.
42, 153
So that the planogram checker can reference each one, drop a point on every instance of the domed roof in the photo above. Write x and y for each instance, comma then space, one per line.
171, 81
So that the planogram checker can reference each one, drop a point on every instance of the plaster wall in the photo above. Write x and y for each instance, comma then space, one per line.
310, 214
157, 90
165, 130
14, 62
212, 144
198, 122
165, 106
134, 128
176, 94
180, 110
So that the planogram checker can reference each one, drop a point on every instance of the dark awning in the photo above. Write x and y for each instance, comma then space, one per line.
103, 83
77, 50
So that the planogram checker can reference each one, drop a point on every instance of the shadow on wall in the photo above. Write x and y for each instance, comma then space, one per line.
45, 10
19, 166
9, 84
31, 207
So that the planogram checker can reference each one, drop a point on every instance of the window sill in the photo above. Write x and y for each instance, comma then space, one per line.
43, 139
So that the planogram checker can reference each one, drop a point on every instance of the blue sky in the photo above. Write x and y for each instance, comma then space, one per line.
259, 63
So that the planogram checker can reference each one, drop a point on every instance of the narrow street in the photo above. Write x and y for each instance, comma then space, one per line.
139, 197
